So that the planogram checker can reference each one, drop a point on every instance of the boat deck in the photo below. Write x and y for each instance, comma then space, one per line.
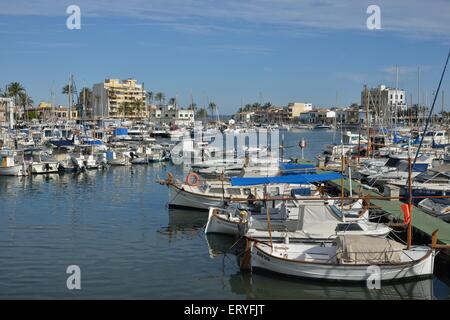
420, 219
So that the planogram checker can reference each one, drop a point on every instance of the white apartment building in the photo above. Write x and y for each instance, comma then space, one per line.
382, 99
170, 115
319, 116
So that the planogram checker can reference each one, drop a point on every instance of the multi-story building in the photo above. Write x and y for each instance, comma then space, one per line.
296, 108
45, 111
354, 115
318, 116
170, 115
244, 116
119, 98
386, 103
7, 112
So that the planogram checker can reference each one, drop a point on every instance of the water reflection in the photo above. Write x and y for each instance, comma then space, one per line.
184, 222
263, 285
219, 245
269, 286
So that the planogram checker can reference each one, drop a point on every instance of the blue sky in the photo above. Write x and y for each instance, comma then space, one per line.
226, 51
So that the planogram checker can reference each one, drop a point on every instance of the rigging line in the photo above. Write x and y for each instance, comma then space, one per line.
431, 111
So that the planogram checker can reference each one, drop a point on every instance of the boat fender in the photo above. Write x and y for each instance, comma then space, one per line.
243, 214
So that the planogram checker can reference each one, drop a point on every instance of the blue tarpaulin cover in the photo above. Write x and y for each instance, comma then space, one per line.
292, 179
297, 166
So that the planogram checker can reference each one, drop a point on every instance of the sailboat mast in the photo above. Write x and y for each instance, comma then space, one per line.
367, 120
69, 108
418, 93
409, 232
396, 96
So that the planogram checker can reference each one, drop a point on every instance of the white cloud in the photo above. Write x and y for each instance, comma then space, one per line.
409, 18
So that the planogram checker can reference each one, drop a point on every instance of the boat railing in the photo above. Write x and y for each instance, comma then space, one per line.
376, 257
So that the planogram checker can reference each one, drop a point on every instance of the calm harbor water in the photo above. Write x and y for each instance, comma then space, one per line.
115, 225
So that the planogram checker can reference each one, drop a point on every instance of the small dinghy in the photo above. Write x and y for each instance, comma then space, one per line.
439, 208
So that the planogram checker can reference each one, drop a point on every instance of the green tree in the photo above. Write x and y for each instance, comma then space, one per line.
13, 90
138, 105
124, 108
150, 97
66, 89
32, 115
202, 114
25, 101
213, 108
173, 101
160, 97
85, 99
267, 105
192, 105
256, 106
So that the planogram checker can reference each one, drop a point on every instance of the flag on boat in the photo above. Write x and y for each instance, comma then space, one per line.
406, 213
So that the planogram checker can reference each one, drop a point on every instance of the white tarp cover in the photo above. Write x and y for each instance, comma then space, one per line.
317, 218
352, 249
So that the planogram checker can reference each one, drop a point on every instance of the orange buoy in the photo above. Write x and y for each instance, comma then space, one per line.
193, 179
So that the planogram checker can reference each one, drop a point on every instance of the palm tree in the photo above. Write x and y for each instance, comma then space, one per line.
160, 97
173, 102
124, 108
150, 96
14, 89
138, 106
256, 106
65, 89
213, 108
85, 98
267, 105
192, 105
202, 114
25, 101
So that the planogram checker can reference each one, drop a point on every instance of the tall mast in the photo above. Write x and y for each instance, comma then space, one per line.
367, 119
418, 93
410, 111
69, 108
396, 96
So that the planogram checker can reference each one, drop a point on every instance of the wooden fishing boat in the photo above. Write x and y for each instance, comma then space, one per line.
299, 220
349, 258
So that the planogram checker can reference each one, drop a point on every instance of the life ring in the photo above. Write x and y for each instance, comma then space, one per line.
194, 176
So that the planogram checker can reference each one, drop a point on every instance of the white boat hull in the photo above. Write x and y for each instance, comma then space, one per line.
221, 225
181, 199
261, 259
17, 170
42, 168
